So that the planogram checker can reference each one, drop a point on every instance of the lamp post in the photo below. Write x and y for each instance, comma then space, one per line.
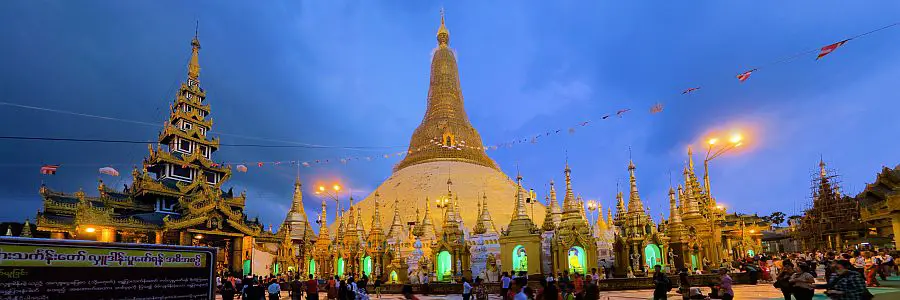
592, 208
333, 194
443, 203
715, 149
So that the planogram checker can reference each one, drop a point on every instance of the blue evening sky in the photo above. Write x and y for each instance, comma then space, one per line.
355, 73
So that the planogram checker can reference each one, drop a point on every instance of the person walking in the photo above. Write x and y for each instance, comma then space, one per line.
228, 289
504, 286
725, 285
467, 289
334, 286
782, 281
848, 284
803, 283
480, 291
377, 286
312, 288
296, 291
661, 283
274, 289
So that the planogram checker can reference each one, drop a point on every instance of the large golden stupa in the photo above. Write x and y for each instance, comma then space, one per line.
446, 154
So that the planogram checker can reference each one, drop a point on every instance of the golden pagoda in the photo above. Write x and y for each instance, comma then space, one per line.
446, 145
176, 197
376, 245
574, 248
521, 240
321, 264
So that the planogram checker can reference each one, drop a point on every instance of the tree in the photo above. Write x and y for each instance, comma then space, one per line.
777, 218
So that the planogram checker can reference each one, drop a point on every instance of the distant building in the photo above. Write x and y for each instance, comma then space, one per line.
881, 209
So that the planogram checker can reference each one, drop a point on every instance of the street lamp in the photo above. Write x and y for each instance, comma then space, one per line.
714, 149
592, 206
333, 194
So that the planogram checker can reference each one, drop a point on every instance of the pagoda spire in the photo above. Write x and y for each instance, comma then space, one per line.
634, 198
620, 206
376, 215
8, 231
323, 223
823, 174
296, 221
360, 226
443, 35
674, 215
485, 217
601, 223
396, 230
554, 206
519, 211
609, 217
445, 133
428, 231
194, 63
549, 224
569, 205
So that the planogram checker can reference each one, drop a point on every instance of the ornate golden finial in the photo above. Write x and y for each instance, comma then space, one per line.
443, 35
690, 158
822, 172
194, 64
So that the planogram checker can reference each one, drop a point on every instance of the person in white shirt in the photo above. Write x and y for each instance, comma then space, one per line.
550, 278
467, 289
504, 284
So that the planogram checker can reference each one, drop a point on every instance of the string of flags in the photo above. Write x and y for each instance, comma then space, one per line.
460, 145
822, 52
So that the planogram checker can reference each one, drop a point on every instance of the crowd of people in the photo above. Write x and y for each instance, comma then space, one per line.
845, 276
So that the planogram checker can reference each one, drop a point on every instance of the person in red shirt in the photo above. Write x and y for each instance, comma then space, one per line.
312, 289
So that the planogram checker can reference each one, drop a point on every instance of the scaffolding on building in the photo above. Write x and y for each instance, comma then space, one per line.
831, 219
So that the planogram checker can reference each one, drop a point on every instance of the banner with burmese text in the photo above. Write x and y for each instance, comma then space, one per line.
66, 269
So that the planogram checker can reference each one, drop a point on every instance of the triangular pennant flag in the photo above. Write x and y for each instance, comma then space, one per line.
687, 91
744, 76
260, 164
49, 169
657, 108
830, 48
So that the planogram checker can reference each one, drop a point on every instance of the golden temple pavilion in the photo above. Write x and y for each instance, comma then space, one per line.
178, 197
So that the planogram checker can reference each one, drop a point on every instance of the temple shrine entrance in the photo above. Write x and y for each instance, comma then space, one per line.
444, 265
224, 247
520, 259
367, 265
576, 260
393, 279
652, 256
312, 267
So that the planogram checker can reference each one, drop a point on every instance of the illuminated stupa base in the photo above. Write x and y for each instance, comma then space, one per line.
411, 185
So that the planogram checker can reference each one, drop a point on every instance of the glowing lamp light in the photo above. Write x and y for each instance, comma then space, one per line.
736, 138
90, 230
321, 188
752, 231
712, 141
337, 187
199, 236
720, 207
